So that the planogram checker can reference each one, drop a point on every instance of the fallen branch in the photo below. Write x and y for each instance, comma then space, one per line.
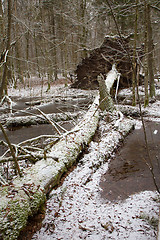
2, 181
31, 140
51, 122
37, 119
28, 157
8, 100
11, 150
43, 176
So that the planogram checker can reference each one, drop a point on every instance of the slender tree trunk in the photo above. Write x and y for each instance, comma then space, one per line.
1, 36
37, 59
27, 35
64, 49
17, 47
146, 100
3, 86
150, 53
134, 75
54, 45
84, 29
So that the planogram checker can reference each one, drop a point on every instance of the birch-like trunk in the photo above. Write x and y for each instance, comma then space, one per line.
106, 102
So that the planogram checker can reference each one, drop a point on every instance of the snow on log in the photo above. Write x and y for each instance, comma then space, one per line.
24, 196
111, 77
39, 119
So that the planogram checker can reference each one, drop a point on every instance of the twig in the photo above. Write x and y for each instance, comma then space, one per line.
3, 143
33, 157
67, 115
26, 157
3, 181
51, 122
11, 150
36, 139
21, 157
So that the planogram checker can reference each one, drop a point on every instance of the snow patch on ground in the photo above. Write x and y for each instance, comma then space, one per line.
76, 210
37, 91
82, 214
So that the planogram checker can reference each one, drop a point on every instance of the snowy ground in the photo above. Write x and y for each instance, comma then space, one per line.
75, 210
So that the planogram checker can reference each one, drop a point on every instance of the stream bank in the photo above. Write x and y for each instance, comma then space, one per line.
128, 172
76, 210
81, 209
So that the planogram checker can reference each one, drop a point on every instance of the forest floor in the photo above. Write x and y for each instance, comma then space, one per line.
117, 199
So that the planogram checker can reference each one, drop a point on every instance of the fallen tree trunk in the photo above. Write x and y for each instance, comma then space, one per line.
12, 122
24, 196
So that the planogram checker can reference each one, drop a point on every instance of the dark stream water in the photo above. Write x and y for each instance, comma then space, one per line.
17, 135
128, 172
56, 106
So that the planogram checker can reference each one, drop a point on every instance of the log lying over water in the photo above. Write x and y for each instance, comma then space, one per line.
12, 122
24, 196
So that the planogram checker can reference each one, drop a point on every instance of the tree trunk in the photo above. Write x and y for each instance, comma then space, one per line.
1, 38
150, 53
106, 102
134, 75
3, 86
17, 48
29, 191
54, 51
146, 100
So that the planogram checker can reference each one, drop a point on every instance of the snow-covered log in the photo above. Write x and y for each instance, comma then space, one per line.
38, 119
24, 196
131, 111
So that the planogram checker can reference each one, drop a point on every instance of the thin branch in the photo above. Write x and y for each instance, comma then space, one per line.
11, 150
3, 181
52, 123
36, 139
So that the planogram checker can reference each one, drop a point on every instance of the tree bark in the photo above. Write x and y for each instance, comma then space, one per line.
150, 53
3, 86
146, 100
134, 75
106, 102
